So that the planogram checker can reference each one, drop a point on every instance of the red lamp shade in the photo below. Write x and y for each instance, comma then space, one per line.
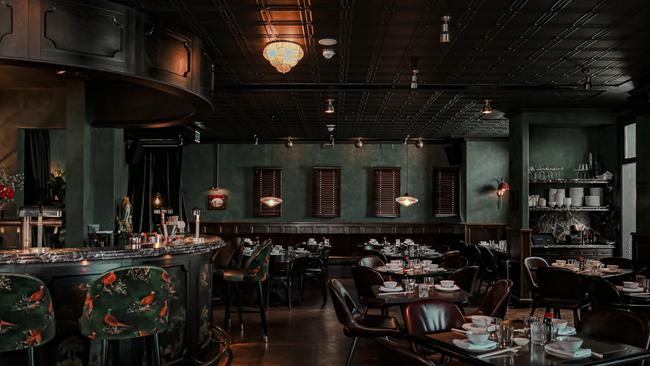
503, 188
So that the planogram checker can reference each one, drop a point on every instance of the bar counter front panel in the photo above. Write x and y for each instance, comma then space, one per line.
68, 273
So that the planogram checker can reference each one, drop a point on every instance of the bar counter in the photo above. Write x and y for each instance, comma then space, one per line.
68, 272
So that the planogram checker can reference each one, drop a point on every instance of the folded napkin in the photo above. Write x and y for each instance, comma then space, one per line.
466, 344
582, 352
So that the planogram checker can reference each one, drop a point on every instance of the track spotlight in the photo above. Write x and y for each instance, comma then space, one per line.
289, 143
329, 108
445, 37
256, 140
487, 107
420, 143
359, 143
414, 79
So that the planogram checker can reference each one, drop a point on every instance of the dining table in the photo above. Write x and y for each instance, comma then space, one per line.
603, 352
404, 298
418, 275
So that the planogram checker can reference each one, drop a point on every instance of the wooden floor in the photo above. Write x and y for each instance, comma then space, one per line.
306, 335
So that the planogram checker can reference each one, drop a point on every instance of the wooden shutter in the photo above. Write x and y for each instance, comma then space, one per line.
266, 182
446, 192
327, 192
387, 188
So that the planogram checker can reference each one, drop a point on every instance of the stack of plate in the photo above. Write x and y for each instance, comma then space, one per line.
592, 201
560, 194
598, 191
577, 195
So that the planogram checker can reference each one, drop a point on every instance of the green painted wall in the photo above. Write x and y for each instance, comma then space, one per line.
486, 161
236, 174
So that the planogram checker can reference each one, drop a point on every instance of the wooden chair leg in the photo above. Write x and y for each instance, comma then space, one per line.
289, 292
86, 352
323, 291
351, 352
226, 291
30, 356
239, 311
262, 311
576, 318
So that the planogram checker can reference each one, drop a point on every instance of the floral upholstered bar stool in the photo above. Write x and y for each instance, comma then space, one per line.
126, 303
26, 314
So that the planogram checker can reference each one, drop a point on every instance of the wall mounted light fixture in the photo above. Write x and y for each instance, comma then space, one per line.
487, 107
359, 143
502, 188
445, 36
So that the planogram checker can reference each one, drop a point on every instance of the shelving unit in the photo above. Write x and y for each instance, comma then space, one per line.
581, 209
569, 181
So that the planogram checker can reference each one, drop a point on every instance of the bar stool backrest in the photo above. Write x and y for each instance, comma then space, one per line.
26, 312
127, 302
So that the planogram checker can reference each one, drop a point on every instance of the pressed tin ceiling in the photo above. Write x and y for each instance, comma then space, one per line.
516, 53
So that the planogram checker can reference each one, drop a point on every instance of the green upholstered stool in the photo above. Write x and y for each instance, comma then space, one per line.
26, 314
254, 269
126, 303
228, 257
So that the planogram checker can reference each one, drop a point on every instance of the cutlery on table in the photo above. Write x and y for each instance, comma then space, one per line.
456, 330
395, 293
505, 350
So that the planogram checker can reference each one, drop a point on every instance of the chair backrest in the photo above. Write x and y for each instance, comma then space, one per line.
344, 306
602, 292
474, 255
560, 284
616, 326
223, 257
26, 312
127, 302
391, 354
465, 278
280, 266
531, 265
371, 261
453, 260
364, 279
496, 301
376, 253
621, 262
489, 260
431, 316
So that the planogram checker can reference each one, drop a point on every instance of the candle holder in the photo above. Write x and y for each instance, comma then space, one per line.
197, 223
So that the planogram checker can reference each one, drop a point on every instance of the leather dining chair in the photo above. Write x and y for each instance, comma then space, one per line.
364, 279
490, 267
371, 261
621, 262
391, 353
431, 316
465, 278
355, 323
453, 260
311, 269
376, 253
531, 265
496, 300
561, 288
616, 325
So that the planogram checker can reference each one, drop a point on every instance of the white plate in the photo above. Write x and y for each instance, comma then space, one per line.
610, 270
551, 350
446, 289
429, 269
469, 346
638, 289
388, 289
567, 331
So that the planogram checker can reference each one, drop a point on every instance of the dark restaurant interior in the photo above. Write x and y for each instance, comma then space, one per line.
320, 182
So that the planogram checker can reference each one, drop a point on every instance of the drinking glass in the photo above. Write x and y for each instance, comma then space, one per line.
537, 332
641, 280
423, 290
646, 285
507, 334
495, 329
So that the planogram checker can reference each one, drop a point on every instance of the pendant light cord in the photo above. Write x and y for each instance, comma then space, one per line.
217, 165
407, 167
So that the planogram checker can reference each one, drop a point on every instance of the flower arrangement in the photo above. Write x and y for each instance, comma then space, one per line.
9, 184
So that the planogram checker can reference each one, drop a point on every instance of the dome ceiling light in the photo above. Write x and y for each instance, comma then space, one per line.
283, 55
406, 200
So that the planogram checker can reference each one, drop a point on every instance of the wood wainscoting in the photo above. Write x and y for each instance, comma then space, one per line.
347, 237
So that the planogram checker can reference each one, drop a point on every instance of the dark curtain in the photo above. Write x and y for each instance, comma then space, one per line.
157, 170
37, 167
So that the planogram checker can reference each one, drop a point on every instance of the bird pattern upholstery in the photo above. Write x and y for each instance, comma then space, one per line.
255, 268
26, 312
127, 302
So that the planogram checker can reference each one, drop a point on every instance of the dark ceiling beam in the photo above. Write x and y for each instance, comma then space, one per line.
388, 86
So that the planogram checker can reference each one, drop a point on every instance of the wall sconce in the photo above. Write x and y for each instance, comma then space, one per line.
157, 200
502, 188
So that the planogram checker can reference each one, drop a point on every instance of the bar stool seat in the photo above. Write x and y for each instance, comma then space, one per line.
26, 314
127, 303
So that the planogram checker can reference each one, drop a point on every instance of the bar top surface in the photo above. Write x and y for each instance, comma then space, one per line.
188, 245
